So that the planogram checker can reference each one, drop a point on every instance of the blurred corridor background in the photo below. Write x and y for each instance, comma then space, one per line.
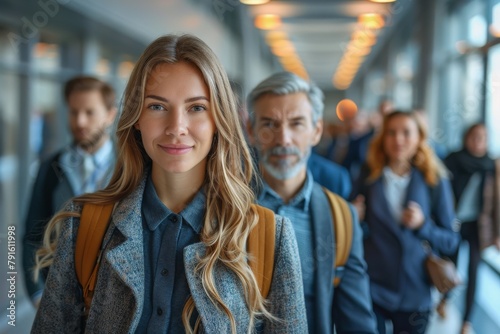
438, 56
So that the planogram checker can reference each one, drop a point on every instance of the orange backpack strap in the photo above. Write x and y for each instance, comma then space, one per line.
342, 223
93, 225
94, 222
260, 246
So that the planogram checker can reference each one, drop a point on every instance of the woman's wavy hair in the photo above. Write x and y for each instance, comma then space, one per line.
229, 215
425, 160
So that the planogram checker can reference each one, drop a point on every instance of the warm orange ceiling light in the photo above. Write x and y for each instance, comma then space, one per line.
364, 37
273, 36
254, 2
267, 21
346, 109
283, 52
378, 1
290, 59
371, 20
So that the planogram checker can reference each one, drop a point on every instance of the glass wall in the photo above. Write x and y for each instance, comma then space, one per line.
493, 81
493, 100
463, 68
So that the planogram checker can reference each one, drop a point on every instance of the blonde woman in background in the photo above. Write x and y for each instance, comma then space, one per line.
174, 256
407, 207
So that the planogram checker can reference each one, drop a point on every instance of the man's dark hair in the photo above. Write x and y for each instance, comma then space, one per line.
86, 84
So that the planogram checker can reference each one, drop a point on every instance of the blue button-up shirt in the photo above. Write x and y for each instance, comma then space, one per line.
297, 210
166, 234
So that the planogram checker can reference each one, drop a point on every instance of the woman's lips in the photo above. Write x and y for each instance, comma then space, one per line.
176, 149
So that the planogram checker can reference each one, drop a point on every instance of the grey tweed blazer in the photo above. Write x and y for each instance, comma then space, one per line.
117, 302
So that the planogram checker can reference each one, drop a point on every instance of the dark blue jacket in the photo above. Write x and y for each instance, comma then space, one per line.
395, 255
351, 310
330, 175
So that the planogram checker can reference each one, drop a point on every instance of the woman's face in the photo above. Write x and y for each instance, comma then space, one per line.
401, 139
176, 123
476, 141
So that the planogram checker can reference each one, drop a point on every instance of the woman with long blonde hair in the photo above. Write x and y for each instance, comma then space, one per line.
174, 255
406, 203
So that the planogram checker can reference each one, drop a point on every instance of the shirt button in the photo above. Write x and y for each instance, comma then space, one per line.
173, 219
164, 272
159, 311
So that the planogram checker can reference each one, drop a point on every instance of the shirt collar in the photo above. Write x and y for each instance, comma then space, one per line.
300, 200
101, 156
155, 212
389, 175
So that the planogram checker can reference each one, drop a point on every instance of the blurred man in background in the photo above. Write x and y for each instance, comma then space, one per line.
82, 167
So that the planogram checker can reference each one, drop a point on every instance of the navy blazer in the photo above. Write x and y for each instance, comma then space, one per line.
330, 175
351, 309
395, 255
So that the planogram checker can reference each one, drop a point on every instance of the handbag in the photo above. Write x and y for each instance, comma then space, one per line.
442, 272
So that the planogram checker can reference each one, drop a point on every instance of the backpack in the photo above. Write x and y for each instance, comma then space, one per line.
261, 243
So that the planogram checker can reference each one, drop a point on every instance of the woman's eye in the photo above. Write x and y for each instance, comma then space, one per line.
198, 108
156, 107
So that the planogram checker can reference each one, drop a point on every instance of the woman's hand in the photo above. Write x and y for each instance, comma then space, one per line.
359, 204
412, 217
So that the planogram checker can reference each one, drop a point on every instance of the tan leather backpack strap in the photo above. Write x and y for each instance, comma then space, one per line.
93, 225
260, 246
342, 223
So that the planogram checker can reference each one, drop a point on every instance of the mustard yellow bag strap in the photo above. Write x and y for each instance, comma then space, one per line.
93, 224
260, 246
342, 222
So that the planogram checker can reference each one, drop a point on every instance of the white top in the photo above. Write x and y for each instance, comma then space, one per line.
395, 191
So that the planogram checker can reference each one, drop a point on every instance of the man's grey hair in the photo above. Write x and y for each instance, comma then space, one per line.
284, 83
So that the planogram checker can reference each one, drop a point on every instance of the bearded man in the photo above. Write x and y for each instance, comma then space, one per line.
84, 166
285, 122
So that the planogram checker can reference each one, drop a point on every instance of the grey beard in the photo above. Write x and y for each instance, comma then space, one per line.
284, 171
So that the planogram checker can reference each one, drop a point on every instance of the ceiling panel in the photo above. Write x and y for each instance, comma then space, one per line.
320, 30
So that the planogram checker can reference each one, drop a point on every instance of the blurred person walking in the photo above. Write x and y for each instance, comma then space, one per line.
82, 167
406, 204
476, 185
286, 121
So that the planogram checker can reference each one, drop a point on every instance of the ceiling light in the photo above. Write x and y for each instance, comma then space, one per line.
254, 2
371, 21
267, 21
290, 59
364, 37
281, 43
275, 36
283, 52
378, 1
346, 109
